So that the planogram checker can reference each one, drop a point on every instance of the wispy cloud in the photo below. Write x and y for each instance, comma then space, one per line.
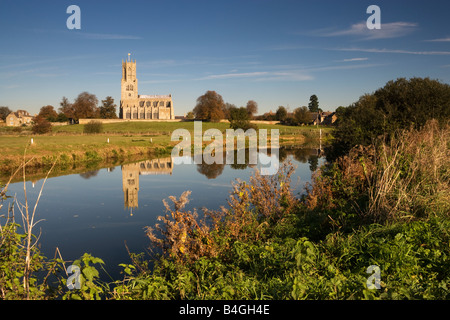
294, 75
440, 40
285, 73
352, 60
234, 75
346, 67
39, 72
375, 50
107, 36
360, 30
44, 61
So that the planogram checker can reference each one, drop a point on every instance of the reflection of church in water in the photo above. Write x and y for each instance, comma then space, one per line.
131, 173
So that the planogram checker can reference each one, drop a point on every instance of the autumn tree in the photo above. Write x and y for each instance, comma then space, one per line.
41, 125
48, 113
227, 108
209, 107
66, 108
85, 106
108, 109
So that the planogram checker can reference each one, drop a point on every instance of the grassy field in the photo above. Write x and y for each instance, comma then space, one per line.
158, 128
125, 140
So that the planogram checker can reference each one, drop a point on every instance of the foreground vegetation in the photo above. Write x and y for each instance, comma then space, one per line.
382, 200
387, 206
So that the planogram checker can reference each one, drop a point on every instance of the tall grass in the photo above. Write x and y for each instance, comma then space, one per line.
405, 178
410, 176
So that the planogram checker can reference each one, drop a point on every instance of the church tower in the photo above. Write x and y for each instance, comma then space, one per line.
141, 107
129, 81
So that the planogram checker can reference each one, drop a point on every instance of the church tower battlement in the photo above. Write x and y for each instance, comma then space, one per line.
129, 81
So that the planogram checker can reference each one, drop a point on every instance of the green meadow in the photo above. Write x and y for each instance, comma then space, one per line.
121, 140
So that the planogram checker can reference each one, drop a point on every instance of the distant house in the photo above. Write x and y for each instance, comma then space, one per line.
323, 118
329, 118
314, 118
18, 118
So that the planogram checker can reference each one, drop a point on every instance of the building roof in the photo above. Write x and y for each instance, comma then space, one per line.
143, 96
20, 113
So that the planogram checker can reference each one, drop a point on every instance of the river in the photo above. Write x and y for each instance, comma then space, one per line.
97, 212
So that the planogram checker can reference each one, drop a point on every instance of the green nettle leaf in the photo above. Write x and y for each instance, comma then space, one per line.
90, 273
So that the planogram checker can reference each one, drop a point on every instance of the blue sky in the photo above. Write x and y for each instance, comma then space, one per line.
274, 52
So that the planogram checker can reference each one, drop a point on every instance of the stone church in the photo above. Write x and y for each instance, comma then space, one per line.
134, 106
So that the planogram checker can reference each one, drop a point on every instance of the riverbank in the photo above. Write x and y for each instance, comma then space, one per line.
119, 142
345, 238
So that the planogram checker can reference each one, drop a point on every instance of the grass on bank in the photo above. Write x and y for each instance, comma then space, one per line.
127, 138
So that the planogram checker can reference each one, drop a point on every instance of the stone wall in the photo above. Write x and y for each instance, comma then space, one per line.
84, 121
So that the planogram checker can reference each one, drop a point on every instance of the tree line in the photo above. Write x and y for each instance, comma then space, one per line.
212, 107
399, 105
85, 106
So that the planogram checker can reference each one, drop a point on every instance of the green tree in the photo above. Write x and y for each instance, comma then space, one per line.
190, 115
301, 115
281, 113
398, 105
209, 107
108, 109
61, 117
239, 119
313, 103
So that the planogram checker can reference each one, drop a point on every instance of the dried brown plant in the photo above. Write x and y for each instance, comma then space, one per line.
252, 208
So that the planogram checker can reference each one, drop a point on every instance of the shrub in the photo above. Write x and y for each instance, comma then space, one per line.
93, 127
252, 209
239, 119
41, 125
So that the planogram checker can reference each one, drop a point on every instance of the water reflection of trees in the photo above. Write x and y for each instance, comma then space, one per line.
89, 174
212, 171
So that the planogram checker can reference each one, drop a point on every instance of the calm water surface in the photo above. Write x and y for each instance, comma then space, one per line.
98, 211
